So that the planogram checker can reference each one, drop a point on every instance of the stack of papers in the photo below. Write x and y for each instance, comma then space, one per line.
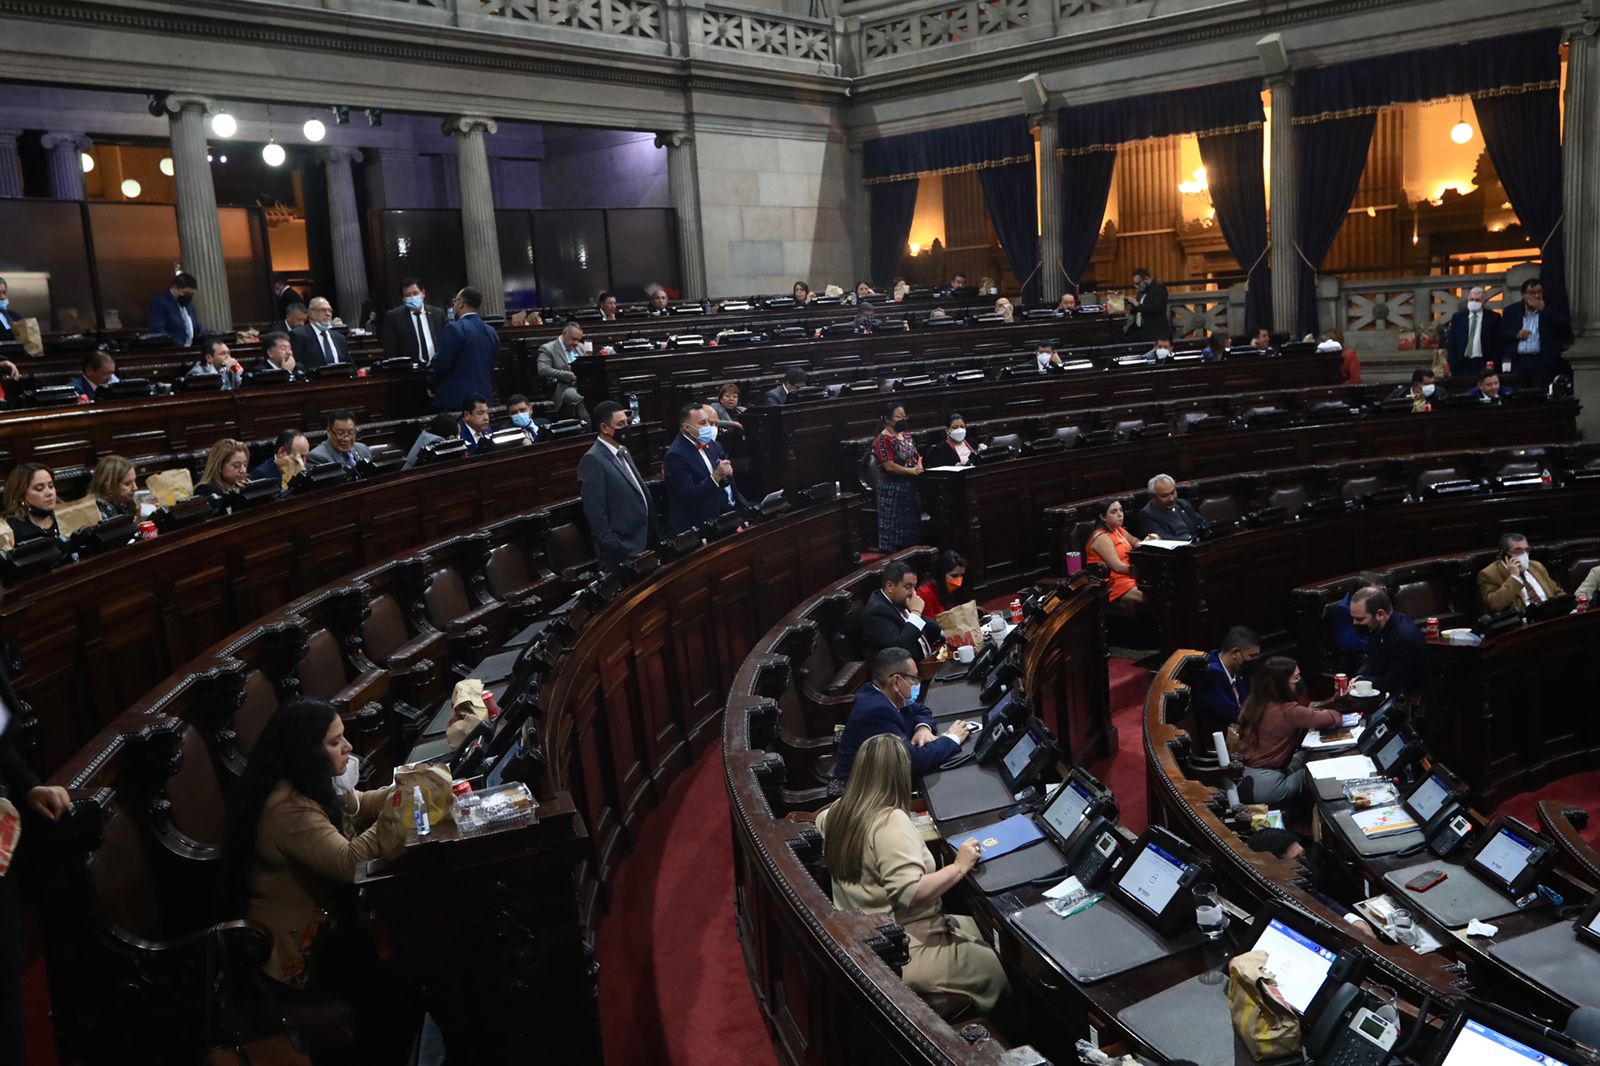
1383, 821
1341, 769
1162, 542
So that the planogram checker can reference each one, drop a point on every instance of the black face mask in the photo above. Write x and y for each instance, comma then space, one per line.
1249, 668
185, 301
902, 425
39, 512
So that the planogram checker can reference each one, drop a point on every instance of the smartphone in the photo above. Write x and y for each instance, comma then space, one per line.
1426, 880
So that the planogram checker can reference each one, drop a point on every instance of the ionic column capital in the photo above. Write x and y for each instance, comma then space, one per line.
78, 142
466, 125
340, 153
174, 103
674, 139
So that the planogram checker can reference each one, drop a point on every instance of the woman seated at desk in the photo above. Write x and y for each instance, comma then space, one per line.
878, 864
943, 590
31, 502
954, 449
1110, 544
227, 468
1271, 725
300, 830
113, 485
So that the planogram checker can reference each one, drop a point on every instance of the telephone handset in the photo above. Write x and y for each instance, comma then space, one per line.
1447, 830
1346, 1033
988, 747
1095, 853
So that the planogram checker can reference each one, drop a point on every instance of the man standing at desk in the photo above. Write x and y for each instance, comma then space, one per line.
615, 500
412, 330
172, 312
893, 618
467, 351
1532, 338
1167, 516
1147, 309
1472, 340
1397, 653
888, 704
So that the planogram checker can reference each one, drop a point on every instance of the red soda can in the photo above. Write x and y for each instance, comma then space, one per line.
460, 788
1433, 629
1016, 611
491, 704
1583, 603
1341, 684
147, 530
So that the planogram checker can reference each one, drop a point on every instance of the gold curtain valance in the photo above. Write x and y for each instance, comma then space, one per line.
1372, 109
1217, 131
988, 164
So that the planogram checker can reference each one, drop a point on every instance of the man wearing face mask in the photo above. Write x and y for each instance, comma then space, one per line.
699, 476
889, 704
1472, 340
1161, 352
616, 502
1533, 337
519, 413
1514, 579
1397, 652
172, 312
1419, 392
317, 343
412, 330
1045, 357
1219, 693
7, 316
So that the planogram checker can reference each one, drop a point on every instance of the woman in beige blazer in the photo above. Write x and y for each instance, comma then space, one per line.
879, 865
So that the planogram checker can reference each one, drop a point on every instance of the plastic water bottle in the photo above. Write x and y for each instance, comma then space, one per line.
633, 409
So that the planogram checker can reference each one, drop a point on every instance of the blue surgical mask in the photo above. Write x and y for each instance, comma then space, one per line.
4, 304
414, 302
916, 690
522, 418
707, 434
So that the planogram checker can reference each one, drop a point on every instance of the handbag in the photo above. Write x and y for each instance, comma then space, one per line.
1262, 1018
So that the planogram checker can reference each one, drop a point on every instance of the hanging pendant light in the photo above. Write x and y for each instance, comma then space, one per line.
272, 154
1461, 132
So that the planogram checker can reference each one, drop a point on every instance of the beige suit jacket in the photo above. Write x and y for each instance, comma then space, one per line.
1500, 588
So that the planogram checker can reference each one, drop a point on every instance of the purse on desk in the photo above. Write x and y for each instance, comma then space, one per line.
1264, 1021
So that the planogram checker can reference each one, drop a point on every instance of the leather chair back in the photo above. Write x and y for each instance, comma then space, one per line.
506, 571
445, 599
322, 671
1420, 598
199, 807
260, 703
385, 631
1292, 498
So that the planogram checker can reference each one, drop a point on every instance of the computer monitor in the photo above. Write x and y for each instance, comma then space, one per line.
1511, 857
1433, 794
1015, 762
1481, 1035
1299, 961
1155, 881
1078, 797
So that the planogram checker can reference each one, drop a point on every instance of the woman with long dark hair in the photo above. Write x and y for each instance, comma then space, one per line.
293, 850
1272, 723
942, 590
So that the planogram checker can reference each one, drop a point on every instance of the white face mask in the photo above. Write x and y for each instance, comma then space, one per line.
1474, 306
1163, 353
1427, 390
1044, 359
959, 435
1521, 559
346, 782
1330, 345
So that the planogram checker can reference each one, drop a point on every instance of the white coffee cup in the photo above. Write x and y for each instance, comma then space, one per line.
964, 653
997, 624
1362, 687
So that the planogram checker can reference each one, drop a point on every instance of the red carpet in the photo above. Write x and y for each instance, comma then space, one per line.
1579, 790
673, 987
1123, 772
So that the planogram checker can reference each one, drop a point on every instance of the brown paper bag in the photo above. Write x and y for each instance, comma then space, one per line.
960, 625
79, 514
26, 330
467, 709
8, 539
170, 486
435, 784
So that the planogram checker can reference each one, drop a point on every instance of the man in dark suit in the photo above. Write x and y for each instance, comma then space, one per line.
317, 343
888, 704
1219, 693
285, 295
1147, 310
892, 617
341, 447
554, 368
519, 413
616, 501
794, 379
290, 442
606, 304
294, 316
7, 316
1532, 338
699, 476
1472, 339
1490, 389
1166, 515
467, 351
172, 312
412, 330
99, 368
474, 424
1397, 653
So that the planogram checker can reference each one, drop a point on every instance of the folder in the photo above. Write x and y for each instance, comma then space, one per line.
1002, 838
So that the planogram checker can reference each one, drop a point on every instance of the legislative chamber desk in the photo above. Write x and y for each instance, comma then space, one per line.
996, 513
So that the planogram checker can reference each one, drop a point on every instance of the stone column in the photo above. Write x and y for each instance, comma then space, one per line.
684, 189
1580, 162
199, 232
66, 166
1283, 259
344, 225
478, 233
1052, 281
858, 209
10, 164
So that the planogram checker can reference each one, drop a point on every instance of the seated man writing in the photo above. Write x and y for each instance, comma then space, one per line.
1166, 515
888, 704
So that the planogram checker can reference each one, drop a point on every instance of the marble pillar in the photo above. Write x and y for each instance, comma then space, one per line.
1580, 162
478, 233
684, 190
1052, 279
10, 164
1283, 259
344, 225
66, 165
199, 232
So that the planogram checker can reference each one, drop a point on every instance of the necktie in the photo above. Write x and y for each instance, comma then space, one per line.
188, 327
627, 470
1472, 337
327, 346
424, 339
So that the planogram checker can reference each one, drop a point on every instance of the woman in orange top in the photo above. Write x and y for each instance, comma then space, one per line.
1110, 544
943, 590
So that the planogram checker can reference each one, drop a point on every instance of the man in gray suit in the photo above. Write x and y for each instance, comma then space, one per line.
615, 499
794, 379
555, 369
341, 447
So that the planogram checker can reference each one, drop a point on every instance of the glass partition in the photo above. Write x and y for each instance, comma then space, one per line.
574, 264
135, 254
424, 244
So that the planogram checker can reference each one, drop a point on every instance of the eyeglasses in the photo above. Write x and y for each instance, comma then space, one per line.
910, 677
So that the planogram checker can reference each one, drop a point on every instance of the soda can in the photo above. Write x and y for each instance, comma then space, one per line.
1433, 629
1583, 603
491, 705
1074, 562
460, 788
1016, 611
1341, 684
147, 530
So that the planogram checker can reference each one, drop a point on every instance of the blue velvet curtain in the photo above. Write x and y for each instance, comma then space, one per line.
1331, 157
1085, 186
958, 147
1135, 118
1239, 193
1012, 196
1522, 132
894, 203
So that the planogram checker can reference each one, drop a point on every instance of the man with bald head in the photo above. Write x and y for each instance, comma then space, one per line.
1472, 339
554, 369
317, 343
1166, 516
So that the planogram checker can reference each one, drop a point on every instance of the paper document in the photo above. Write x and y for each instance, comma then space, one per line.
1351, 720
1065, 888
1383, 821
1341, 769
1162, 542
1322, 739
956, 469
